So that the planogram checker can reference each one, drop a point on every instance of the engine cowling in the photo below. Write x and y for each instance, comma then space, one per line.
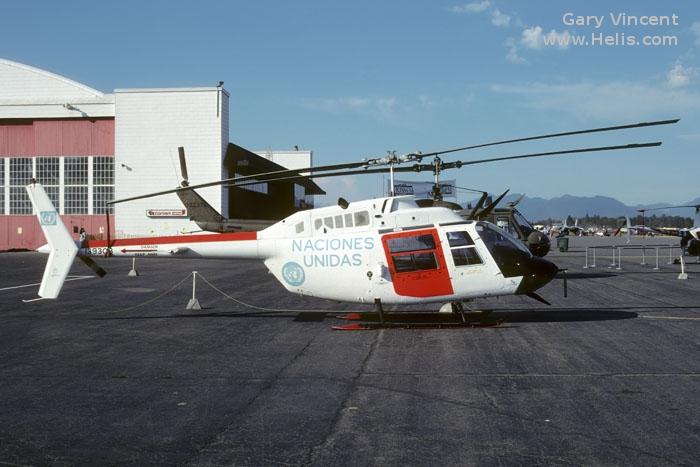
538, 243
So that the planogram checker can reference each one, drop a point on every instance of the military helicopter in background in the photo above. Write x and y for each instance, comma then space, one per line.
514, 222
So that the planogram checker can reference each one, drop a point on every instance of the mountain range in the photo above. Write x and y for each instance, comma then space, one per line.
579, 206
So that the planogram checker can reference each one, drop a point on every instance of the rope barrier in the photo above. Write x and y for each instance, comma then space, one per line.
156, 297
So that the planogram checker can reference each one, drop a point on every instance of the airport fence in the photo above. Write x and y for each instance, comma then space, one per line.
616, 254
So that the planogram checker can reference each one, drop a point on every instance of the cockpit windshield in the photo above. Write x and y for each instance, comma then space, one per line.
523, 223
493, 237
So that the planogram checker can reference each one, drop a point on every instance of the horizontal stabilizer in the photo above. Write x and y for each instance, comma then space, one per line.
63, 248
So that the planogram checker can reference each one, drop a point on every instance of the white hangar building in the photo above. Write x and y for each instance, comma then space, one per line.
87, 147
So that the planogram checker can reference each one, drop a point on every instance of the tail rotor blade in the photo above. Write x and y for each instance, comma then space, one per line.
92, 265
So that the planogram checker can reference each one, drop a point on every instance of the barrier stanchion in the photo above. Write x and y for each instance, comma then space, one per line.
193, 304
682, 275
619, 258
644, 256
593, 265
657, 259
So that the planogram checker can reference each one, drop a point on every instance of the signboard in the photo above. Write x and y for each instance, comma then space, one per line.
166, 212
422, 189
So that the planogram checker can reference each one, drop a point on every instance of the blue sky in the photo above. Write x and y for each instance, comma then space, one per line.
355, 79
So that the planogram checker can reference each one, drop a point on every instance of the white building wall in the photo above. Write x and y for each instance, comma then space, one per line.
150, 124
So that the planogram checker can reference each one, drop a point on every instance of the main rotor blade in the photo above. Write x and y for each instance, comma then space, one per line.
232, 181
554, 135
351, 165
453, 165
670, 207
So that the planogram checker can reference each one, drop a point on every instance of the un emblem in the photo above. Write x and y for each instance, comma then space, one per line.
293, 274
48, 217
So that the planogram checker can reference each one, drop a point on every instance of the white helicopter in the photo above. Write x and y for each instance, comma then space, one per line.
381, 251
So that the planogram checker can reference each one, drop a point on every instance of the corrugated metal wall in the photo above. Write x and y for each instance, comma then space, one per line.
75, 137
24, 233
71, 137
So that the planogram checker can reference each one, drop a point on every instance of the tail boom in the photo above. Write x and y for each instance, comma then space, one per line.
241, 245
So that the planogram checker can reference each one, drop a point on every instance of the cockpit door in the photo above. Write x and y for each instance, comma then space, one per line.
417, 263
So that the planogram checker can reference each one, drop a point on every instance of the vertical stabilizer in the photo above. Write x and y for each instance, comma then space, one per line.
62, 247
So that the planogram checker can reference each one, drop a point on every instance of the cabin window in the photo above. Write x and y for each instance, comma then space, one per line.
328, 222
418, 242
348, 220
339, 222
299, 227
463, 249
361, 218
318, 223
415, 253
459, 239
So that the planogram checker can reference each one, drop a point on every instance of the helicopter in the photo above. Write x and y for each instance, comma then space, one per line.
690, 237
379, 251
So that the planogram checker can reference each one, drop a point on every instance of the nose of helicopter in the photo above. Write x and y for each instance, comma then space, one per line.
537, 272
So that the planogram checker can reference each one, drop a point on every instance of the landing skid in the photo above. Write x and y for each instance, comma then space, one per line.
416, 320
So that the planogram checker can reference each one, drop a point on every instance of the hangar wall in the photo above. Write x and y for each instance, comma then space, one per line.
88, 147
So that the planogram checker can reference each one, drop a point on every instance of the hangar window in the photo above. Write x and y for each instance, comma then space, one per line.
76, 185
299, 228
414, 253
21, 169
103, 182
48, 173
361, 218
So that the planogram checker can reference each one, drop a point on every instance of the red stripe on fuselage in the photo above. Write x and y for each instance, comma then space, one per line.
206, 238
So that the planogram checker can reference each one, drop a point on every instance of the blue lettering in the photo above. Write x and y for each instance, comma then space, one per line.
296, 245
345, 261
369, 243
347, 244
357, 259
319, 261
335, 244
308, 261
316, 245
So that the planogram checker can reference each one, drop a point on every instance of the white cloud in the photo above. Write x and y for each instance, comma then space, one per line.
475, 7
500, 19
532, 38
678, 76
613, 101
512, 55
535, 39
695, 29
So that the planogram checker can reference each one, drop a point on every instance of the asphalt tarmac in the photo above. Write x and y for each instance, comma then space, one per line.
116, 371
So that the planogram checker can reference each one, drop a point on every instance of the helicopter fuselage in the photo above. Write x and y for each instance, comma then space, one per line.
386, 248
